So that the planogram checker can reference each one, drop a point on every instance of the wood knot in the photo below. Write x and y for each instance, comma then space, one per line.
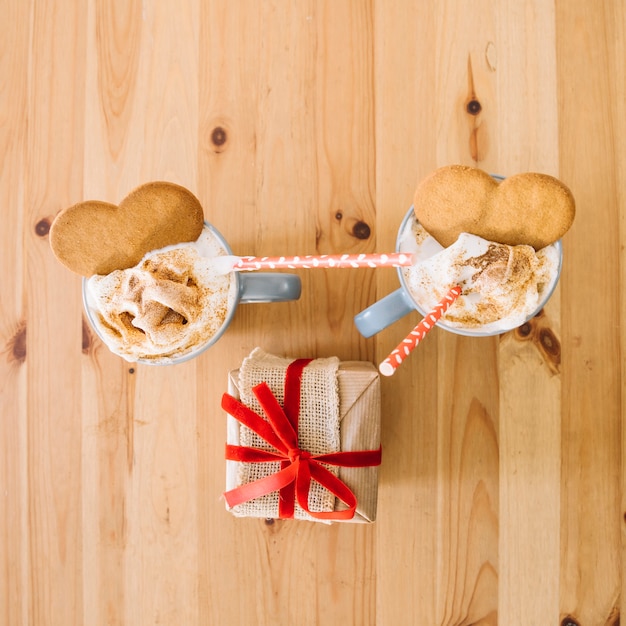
361, 230
473, 107
269, 521
16, 346
569, 621
543, 338
42, 227
87, 337
550, 344
550, 348
219, 137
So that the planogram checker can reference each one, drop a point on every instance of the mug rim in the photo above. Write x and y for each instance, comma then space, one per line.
469, 332
192, 353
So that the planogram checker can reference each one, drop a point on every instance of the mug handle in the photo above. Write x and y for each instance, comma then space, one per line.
384, 313
269, 287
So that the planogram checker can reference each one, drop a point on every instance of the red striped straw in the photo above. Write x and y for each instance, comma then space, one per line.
394, 259
394, 360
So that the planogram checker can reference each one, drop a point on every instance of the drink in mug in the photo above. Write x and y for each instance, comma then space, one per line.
176, 302
502, 286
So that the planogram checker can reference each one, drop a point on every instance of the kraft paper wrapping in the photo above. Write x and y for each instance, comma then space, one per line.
359, 414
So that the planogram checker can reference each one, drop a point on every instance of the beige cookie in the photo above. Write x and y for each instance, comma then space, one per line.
529, 208
96, 237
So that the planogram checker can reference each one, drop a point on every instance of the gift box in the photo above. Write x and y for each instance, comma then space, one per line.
303, 439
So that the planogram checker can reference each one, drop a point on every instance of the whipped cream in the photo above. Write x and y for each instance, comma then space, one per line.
502, 286
170, 305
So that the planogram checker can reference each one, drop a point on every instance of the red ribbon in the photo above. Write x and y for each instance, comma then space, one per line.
298, 467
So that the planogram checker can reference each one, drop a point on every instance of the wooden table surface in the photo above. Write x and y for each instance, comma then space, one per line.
304, 127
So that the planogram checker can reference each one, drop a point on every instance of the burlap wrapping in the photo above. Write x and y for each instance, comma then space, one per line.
318, 425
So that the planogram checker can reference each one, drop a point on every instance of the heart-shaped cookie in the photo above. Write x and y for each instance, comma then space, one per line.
530, 208
96, 237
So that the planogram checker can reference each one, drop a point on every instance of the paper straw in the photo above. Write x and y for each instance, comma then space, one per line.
394, 259
394, 360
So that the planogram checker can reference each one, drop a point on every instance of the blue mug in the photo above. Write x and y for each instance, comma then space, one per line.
253, 287
399, 303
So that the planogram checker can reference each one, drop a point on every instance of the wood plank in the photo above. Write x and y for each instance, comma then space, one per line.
529, 371
141, 433
287, 169
405, 140
14, 527
589, 38
53, 178
450, 419
468, 482
467, 446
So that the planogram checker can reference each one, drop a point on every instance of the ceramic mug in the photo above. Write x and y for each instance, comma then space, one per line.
399, 303
247, 288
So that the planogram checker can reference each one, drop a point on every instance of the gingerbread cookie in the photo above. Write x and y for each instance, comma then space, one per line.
530, 208
95, 237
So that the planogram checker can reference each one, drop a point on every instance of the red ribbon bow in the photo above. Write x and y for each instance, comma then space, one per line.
298, 467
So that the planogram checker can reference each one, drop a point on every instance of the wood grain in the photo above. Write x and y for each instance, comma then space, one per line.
14, 571
592, 511
304, 127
